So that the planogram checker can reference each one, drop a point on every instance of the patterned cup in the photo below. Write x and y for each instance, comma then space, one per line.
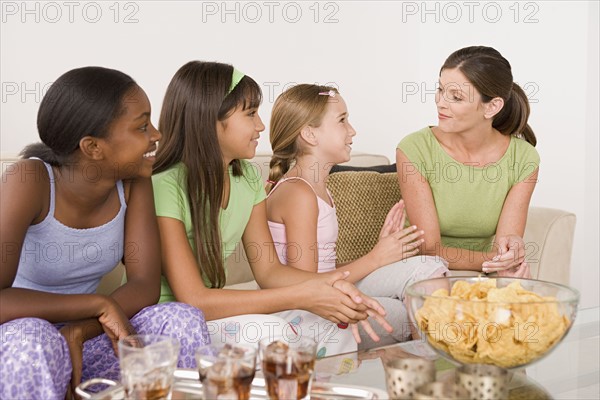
483, 381
441, 391
404, 375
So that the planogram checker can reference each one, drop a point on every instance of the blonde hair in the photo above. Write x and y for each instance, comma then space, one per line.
294, 109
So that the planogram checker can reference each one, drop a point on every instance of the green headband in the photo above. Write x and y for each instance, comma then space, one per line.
235, 79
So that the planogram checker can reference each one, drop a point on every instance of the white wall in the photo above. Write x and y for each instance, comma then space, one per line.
384, 56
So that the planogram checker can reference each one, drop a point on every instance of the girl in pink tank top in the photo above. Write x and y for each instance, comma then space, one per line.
309, 134
327, 231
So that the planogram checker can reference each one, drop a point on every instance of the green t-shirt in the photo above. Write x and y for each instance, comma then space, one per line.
170, 198
468, 198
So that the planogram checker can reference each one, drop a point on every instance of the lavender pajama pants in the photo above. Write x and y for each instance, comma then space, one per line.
35, 361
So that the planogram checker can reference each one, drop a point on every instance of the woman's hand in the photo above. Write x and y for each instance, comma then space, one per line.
522, 271
510, 255
395, 242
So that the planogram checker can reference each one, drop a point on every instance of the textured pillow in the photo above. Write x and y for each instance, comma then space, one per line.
375, 168
362, 201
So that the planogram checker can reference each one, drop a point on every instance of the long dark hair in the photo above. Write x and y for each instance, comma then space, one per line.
197, 98
490, 73
81, 102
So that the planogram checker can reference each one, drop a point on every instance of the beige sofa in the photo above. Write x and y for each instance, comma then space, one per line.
363, 198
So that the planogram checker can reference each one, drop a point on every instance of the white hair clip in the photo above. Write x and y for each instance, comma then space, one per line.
330, 93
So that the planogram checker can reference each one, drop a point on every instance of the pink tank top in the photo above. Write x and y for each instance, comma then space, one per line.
327, 234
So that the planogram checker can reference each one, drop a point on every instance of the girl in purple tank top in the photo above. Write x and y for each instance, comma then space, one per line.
72, 209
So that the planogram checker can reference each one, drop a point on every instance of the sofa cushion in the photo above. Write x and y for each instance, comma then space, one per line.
362, 200
382, 169
360, 160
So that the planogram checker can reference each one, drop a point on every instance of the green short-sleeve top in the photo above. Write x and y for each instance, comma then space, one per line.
468, 198
170, 199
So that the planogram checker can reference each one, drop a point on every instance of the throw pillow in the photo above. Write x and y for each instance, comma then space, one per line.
382, 169
362, 201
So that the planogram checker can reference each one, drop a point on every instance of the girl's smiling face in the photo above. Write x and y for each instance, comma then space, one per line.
238, 134
132, 138
335, 134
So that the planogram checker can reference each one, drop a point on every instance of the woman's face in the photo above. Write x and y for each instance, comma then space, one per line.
458, 103
238, 134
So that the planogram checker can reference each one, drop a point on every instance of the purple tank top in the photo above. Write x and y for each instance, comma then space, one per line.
59, 259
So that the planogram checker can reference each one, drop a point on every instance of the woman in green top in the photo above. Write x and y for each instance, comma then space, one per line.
208, 198
468, 181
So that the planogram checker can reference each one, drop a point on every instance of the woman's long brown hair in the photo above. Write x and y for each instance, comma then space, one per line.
196, 99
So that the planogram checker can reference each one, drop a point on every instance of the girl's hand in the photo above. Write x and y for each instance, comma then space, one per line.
114, 322
394, 220
511, 254
330, 302
73, 334
373, 310
395, 242
111, 320
398, 246
368, 328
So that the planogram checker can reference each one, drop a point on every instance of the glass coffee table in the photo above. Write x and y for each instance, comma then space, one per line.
361, 375
571, 371
365, 369
187, 386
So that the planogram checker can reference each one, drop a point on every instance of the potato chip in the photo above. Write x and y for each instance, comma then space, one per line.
481, 323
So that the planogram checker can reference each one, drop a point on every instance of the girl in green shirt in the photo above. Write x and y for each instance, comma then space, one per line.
208, 198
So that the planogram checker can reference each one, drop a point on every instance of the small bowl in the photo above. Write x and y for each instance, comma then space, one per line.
479, 324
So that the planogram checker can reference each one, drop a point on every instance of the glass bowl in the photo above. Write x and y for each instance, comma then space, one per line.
507, 322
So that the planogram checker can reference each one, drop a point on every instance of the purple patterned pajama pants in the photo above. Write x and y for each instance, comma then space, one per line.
35, 362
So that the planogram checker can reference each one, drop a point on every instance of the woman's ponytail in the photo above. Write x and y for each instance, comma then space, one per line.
512, 119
